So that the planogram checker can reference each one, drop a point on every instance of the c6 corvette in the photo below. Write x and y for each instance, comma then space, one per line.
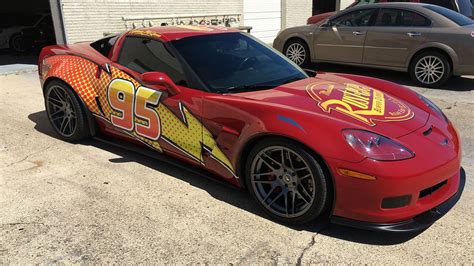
373, 154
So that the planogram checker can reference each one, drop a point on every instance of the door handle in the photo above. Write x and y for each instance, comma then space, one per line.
357, 33
414, 34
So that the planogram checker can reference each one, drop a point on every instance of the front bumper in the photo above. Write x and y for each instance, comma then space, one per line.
417, 223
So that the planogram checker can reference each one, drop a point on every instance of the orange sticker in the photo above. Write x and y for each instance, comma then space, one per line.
359, 102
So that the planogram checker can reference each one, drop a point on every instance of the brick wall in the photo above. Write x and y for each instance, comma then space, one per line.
296, 12
87, 20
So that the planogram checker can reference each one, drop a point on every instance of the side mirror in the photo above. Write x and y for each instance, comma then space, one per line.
311, 73
160, 78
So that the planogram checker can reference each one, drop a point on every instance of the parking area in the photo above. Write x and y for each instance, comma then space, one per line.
91, 202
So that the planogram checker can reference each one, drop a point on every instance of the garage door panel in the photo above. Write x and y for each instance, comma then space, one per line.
265, 18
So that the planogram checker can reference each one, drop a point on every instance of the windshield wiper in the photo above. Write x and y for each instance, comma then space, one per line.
290, 80
243, 88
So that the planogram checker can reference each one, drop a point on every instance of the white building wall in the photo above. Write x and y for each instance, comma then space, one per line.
296, 12
345, 3
88, 20
265, 18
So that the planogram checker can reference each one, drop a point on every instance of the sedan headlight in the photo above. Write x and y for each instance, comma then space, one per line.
434, 108
377, 147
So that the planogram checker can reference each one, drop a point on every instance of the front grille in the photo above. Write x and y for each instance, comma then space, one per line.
433, 189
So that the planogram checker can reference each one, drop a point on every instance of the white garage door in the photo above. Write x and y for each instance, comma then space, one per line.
265, 18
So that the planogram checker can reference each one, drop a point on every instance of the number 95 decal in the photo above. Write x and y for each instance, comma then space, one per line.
132, 106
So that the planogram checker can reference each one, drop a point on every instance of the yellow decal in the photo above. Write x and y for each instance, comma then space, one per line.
145, 33
190, 135
360, 102
199, 28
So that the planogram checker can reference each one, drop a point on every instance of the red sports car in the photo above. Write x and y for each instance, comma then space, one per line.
373, 154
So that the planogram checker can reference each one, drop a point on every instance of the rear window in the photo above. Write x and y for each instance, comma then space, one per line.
104, 45
450, 4
400, 18
457, 18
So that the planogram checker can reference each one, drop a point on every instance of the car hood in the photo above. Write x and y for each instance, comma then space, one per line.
354, 104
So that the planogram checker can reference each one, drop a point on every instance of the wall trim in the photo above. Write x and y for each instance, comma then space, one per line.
58, 21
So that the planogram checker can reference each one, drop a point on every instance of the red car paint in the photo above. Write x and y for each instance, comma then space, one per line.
235, 121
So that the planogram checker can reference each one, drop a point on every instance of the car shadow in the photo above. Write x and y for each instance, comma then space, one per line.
223, 191
455, 83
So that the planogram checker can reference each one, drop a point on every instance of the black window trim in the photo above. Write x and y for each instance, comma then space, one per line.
405, 9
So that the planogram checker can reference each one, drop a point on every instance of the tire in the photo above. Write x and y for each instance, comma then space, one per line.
298, 52
17, 43
65, 112
287, 195
430, 69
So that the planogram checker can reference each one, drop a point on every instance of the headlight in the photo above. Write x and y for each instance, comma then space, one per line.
374, 146
434, 108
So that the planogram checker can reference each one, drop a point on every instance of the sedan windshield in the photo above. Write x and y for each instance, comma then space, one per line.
235, 62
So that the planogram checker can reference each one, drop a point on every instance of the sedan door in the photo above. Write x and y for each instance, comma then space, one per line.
342, 39
396, 33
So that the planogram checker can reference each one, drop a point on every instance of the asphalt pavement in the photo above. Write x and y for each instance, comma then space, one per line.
91, 202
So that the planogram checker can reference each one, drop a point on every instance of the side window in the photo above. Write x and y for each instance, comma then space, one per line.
145, 55
400, 18
359, 18
449, 4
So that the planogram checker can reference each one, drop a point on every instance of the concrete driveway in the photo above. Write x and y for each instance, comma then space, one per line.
91, 202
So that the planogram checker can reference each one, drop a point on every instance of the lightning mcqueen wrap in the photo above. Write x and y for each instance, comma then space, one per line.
374, 154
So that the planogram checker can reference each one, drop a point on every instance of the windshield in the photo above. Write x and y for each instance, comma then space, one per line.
234, 62
457, 18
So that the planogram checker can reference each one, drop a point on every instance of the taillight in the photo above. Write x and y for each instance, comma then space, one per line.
374, 146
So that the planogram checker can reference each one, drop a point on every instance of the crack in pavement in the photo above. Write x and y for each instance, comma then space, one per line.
21, 223
31, 154
310, 244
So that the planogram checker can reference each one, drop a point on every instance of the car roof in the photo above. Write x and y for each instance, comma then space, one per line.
170, 33
410, 5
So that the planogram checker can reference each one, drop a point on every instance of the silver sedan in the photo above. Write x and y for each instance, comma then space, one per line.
430, 42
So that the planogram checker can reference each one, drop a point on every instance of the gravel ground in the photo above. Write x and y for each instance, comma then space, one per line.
94, 203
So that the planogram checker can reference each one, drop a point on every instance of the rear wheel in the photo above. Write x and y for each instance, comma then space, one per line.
297, 51
287, 181
17, 43
65, 112
430, 69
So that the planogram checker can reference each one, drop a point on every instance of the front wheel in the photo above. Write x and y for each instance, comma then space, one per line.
65, 112
430, 69
298, 52
287, 181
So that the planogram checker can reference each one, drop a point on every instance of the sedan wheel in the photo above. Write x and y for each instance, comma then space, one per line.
430, 69
297, 52
64, 112
287, 182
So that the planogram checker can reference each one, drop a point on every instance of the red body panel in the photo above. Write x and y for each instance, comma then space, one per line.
312, 111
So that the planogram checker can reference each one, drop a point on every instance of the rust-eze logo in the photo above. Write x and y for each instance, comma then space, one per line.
365, 104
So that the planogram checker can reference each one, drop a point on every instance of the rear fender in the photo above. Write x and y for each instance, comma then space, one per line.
79, 73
